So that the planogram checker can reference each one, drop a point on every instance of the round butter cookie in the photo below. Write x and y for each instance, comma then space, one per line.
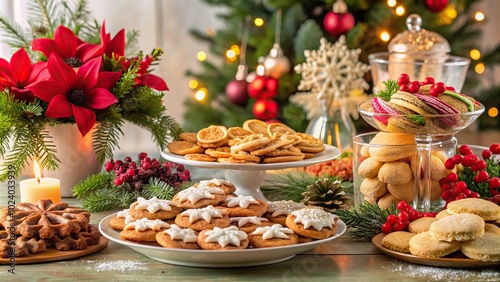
178, 238
273, 236
255, 126
483, 208
203, 218
248, 224
387, 200
200, 157
184, 147
219, 152
154, 208
373, 188
283, 159
403, 146
420, 225
143, 230
403, 191
237, 132
484, 248
214, 134
425, 245
369, 168
275, 143
491, 228
457, 227
442, 214
396, 173
398, 241
277, 211
312, 223
251, 142
244, 206
189, 136
121, 219
229, 238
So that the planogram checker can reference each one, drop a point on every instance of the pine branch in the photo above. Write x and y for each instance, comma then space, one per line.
93, 183
14, 33
46, 10
105, 139
159, 189
46, 151
108, 199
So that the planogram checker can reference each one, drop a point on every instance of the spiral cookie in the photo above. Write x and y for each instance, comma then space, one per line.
273, 236
203, 218
312, 223
154, 208
177, 238
229, 238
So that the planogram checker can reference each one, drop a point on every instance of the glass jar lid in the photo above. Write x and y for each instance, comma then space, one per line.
418, 41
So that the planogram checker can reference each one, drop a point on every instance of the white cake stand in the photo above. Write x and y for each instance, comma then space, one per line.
248, 177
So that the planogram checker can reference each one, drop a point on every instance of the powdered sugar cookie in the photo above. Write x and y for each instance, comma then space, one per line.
244, 206
273, 236
121, 219
178, 238
248, 224
197, 197
143, 230
312, 223
203, 218
279, 210
229, 238
154, 208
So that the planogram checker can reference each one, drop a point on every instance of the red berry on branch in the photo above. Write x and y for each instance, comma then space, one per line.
468, 160
456, 159
391, 219
486, 154
495, 148
450, 88
449, 164
480, 165
403, 216
452, 177
386, 228
404, 88
414, 87
475, 195
118, 181
398, 226
429, 80
402, 205
494, 183
403, 79
413, 214
461, 185
481, 177
465, 150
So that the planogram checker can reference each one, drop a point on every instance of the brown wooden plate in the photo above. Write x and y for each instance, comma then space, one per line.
455, 260
52, 254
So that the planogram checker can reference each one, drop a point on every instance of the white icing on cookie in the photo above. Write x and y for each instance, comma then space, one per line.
226, 236
241, 201
278, 208
187, 235
154, 204
274, 231
126, 215
194, 194
206, 213
144, 224
214, 181
317, 218
242, 221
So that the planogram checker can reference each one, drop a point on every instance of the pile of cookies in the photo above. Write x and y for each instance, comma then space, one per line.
44, 225
467, 225
386, 169
210, 216
254, 142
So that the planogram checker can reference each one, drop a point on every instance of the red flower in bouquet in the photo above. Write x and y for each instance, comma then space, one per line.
68, 47
115, 46
77, 94
19, 74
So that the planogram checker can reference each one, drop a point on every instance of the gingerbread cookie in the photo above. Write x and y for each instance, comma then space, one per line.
279, 210
312, 223
143, 230
273, 236
229, 238
249, 223
197, 197
244, 206
154, 208
203, 218
225, 185
121, 219
178, 238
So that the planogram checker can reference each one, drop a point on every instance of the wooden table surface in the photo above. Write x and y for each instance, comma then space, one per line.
340, 260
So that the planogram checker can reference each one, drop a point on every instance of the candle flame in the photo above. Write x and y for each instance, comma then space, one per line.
38, 173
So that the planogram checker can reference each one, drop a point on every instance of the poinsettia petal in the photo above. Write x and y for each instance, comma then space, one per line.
59, 107
66, 41
44, 45
154, 82
6, 77
100, 98
85, 119
38, 72
107, 79
87, 51
20, 65
46, 90
116, 45
61, 72
105, 37
89, 73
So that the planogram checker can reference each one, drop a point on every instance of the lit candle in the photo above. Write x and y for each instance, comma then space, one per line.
38, 188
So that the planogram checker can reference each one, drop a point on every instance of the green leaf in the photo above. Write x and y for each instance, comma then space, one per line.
391, 87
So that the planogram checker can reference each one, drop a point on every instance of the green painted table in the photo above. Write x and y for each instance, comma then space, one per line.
340, 260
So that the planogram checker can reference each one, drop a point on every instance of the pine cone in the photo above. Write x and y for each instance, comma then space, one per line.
328, 194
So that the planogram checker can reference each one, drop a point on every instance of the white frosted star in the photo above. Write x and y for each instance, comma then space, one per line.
153, 205
194, 194
226, 236
206, 213
274, 231
241, 201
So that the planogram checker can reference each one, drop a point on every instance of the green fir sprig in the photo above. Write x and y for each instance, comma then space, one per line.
367, 221
391, 87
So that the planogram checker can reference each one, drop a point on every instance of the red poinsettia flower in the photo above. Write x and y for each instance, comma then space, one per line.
71, 93
113, 47
20, 73
144, 78
68, 47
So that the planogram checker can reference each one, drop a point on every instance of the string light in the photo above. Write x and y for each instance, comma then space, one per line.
479, 16
230, 56
260, 70
201, 94
479, 68
202, 56
385, 36
193, 84
392, 3
258, 22
235, 49
493, 112
400, 10
475, 54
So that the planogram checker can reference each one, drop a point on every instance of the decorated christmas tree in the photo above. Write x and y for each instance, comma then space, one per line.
250, 71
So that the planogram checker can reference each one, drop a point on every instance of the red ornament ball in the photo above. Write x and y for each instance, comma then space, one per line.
338, 23
265, 109
263, 87
435, 6
236, 92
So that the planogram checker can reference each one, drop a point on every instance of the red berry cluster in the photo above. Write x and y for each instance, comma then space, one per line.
406, 85
138, 173
479, 176
401, 221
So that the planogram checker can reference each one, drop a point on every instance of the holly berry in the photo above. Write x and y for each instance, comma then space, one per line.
465, 150
495, 148
429, 80
403, 79
414, 87
386, 228
398, 226
391, 219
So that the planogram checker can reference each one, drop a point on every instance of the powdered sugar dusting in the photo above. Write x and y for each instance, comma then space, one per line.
444, 274
117, 265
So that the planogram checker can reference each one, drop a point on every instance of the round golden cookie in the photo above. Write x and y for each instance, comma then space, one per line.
154, 209
279, 210
189, 136
403, 191
420, 225
403, 146
425, 245
457, 227
203, 218
442, 214
219, 152
284, 151
143, 230
198, 197
280, 128
212, 145
273, 236
484, 248
229, 238
244, 206
309, 141
200, 157
255, 126
373, 188
121, 219
387, 200
282, 159
225, 185
273, 145
248, 224
232, 160
243, 155
483, 208
396, 173
398, 241
237, 132
492, 228
312, 223
308, 155
212, 134
178, 238
311, 149
184, 147
369, 168
251, 142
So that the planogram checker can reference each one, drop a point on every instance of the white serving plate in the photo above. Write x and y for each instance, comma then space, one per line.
226, 259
